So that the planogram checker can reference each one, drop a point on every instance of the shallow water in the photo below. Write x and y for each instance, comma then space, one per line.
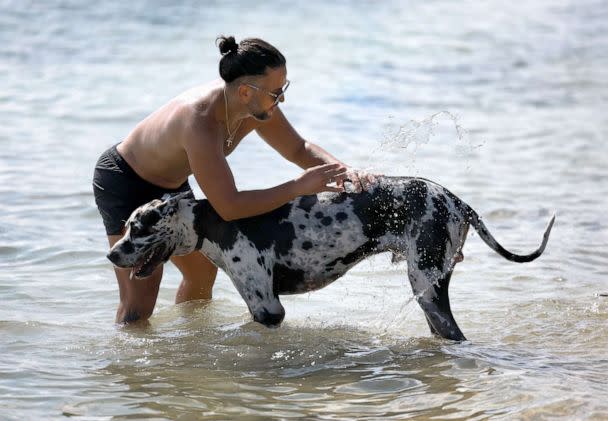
526, 86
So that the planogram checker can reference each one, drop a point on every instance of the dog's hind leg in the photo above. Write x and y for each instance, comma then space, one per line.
431, 260
431, 293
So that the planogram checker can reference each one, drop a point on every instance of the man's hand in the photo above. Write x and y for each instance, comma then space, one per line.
316, 179
361, 180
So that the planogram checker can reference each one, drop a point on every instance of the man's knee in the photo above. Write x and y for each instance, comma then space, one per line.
199, 276
137, 296
129, 313
196, 268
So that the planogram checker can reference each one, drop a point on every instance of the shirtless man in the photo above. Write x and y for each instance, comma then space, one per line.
193, 134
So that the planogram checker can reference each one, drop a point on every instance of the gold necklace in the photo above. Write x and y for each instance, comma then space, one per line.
230, 135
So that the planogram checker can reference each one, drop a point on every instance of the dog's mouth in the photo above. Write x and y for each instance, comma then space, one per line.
149, 263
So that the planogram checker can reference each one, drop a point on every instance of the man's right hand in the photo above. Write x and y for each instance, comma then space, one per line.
316, 179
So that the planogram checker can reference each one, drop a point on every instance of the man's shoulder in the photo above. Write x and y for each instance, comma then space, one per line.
196, 93
196, 127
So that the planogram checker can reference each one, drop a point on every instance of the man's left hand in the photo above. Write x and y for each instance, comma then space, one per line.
361, 180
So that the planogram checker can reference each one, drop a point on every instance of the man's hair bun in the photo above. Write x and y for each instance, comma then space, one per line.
227, 44
250, 57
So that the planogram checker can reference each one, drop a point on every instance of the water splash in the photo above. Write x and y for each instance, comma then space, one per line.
415, 134
402, 315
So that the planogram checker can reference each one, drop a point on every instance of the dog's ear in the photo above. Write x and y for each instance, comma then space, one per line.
173, 198
170, 202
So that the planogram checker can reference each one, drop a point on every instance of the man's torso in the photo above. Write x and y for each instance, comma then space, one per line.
154, 149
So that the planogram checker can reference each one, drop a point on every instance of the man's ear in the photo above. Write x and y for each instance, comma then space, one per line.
245, 93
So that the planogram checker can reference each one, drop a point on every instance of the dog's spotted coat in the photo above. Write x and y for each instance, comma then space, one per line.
311, 241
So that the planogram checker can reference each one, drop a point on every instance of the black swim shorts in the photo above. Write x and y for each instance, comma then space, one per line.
119, 190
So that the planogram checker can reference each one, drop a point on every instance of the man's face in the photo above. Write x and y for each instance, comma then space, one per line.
263, 103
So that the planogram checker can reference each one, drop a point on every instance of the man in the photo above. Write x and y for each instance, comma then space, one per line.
193, 134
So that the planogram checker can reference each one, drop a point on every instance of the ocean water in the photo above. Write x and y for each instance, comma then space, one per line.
503, 103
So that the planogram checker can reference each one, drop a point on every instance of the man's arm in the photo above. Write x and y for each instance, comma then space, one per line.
282, 137
213, 175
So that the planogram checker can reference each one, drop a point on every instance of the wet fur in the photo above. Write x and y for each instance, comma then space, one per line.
311, 241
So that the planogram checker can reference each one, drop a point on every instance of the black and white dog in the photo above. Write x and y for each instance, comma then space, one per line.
313, 240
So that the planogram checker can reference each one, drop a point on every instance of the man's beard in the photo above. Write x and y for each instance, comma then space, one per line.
261, 116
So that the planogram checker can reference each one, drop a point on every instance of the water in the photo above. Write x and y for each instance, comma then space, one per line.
526, 87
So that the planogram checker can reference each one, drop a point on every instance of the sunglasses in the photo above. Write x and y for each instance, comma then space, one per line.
277, 97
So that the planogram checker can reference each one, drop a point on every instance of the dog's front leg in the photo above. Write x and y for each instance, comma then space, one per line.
262, 302
271, 313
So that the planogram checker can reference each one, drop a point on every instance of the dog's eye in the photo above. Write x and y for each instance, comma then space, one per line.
150, 218
134, 228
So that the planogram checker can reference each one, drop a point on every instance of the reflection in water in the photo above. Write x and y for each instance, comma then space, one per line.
249, 369
206, 359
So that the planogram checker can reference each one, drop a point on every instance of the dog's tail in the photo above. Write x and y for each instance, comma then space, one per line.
485, 235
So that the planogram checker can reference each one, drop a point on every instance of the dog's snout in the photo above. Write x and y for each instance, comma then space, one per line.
120, 252
114, 256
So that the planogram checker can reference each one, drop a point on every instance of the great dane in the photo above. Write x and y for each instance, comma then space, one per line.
313, 240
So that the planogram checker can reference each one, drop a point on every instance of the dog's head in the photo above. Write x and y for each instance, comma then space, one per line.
152, 236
